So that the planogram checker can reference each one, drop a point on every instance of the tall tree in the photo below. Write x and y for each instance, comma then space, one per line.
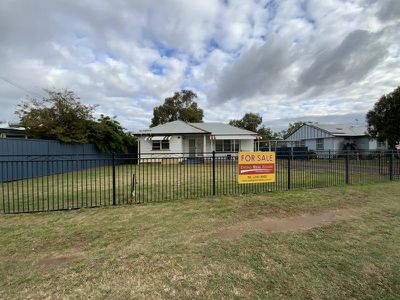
60, 116
252, 122
267, 134
182, 106
384, 119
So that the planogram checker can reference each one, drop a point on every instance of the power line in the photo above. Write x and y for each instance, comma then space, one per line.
20, 87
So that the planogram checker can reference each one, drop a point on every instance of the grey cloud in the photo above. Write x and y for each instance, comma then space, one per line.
390, 10
255, 71
357, 54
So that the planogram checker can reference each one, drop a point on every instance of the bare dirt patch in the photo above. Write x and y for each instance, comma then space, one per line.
60, 258
288, 224
55, 261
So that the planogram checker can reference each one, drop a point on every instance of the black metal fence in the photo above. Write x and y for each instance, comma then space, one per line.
74, 182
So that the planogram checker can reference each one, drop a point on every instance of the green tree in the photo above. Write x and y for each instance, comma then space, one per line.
267, 134
109, 136
252, 122
181, 106
60, 116
384, 119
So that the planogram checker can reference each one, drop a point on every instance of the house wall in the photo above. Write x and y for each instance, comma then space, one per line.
247, 145
146, 152
334, 143
363, 143
179, 147
331, 143
199, 143
308, 132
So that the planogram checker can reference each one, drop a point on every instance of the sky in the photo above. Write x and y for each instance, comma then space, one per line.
306, 60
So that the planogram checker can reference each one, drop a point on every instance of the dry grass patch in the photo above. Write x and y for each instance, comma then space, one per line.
147, 251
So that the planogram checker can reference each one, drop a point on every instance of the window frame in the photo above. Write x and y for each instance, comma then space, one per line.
222, 145
318, 144
163, 145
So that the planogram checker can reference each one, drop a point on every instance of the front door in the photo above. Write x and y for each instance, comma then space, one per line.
192, 147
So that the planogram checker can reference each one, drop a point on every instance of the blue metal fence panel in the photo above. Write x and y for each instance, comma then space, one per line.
28, 155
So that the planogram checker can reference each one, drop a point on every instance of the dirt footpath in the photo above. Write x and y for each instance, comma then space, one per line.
271, 225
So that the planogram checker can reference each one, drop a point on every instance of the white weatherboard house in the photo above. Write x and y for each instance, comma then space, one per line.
193, 139
335, 137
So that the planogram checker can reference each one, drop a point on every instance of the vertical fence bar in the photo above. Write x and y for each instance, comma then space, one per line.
391, 166
347, 167
213, 172
113, 179
288, 173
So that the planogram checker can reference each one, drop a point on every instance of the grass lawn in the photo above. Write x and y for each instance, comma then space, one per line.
181, 249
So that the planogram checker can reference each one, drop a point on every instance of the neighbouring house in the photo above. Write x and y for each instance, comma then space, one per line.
176, 138
11, 131
334, 137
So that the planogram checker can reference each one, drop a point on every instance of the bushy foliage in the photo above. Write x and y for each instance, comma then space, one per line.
61, 116
181, 106
384, 119
252, 122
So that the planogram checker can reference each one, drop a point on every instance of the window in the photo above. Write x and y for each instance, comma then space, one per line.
302, 143
320, 144
226, 145
219, 145
235, 146
381, 145
160, 145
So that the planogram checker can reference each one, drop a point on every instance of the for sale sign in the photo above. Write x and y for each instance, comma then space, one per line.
256, 167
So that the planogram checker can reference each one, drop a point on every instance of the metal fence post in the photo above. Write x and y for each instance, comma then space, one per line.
113, 179
379, 163
288, 173
347, 168
391, 166
213, 172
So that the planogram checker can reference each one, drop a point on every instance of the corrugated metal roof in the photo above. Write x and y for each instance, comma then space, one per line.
174, 127
7, 126
343, 129
222, 129
180, 127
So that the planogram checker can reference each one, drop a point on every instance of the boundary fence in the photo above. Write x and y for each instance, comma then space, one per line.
73, 182
26, 152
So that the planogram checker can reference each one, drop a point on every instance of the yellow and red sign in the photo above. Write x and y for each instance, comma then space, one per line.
256, 167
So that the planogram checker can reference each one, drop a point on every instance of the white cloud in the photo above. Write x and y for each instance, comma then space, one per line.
285, 59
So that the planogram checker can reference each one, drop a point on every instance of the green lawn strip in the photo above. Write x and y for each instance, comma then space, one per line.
148, 250
155, 183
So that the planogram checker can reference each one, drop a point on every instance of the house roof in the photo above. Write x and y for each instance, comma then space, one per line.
6, 127
180, 127
174, 127
222, 129
328, 130
342, 129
